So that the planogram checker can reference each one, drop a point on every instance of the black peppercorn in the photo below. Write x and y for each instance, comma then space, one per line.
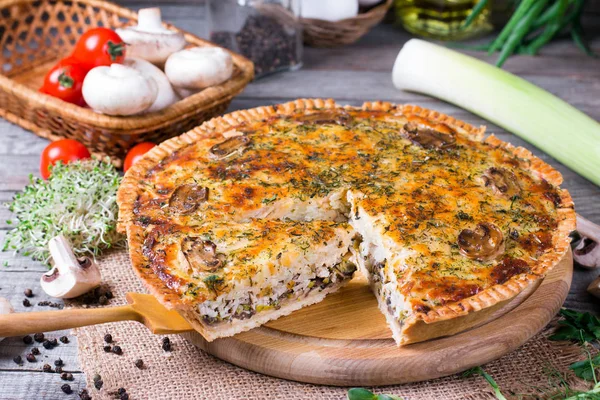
109, 295
38, 337
166, 344
54, 342
84, 395
66, 388
107, 349
28, 292
124, 396
18, 360
139, 363
121, 390
59, 363
97, 377
102, 300
30, 357
117, 350
66, 376
108, 338
47, 345
47, 368
27, 339
35, 351
64, 339
26, 303
98, 384
58, 370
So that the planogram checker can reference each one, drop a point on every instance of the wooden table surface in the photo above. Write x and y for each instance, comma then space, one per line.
351, 75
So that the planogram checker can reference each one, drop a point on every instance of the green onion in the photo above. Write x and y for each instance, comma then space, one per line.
511, 102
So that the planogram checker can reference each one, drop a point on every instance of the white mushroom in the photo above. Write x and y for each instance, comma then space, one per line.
119, 90
166, 95
5, 308
149, 39
70, 277
183, 92
199, 67
587, 251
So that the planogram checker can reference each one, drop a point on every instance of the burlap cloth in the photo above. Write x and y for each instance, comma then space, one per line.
188, 373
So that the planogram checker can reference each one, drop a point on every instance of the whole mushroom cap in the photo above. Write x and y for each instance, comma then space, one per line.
149, 40
199, 67
118, 90
166, 95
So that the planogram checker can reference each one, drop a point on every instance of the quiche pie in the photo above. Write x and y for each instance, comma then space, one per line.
260, 212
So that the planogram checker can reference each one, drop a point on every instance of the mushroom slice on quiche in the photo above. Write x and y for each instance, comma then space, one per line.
445, 224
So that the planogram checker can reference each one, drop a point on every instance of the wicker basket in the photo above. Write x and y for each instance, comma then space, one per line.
320, 33
35, 34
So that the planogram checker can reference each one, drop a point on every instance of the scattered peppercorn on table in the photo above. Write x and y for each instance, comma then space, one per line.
351, 74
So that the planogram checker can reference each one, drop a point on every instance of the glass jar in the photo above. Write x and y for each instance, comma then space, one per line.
267, 32
442, 19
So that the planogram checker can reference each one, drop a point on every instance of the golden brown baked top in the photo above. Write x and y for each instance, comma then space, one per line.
467, 214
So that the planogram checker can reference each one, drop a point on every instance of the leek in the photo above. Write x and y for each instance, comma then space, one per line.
516, 105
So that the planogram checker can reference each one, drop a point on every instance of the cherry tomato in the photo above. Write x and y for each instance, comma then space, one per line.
65, 150
136, 153
99, 46
65, 80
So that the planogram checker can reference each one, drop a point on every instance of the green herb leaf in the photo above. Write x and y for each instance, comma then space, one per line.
585, 369
364, 394
577, 326
488, 378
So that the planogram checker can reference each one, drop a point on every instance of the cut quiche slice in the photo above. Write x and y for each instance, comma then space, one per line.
447, 225
230, 277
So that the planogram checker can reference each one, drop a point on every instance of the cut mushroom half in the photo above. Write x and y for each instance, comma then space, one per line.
229, 147
484, 243
5, 308
501, 181
202, 255
428, 138
150, 40
594, 288
70, 277
186, 198
587, 251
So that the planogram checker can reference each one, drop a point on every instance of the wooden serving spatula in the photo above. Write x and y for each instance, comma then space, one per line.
143, 308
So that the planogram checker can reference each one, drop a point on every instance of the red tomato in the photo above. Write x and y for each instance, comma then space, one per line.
136, 153
65, 80
65, 150
99, 46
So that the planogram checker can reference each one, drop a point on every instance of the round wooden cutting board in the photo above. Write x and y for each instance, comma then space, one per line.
345, 341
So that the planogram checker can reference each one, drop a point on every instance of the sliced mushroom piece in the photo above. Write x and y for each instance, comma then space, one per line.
186, 198
70, 277
484, 243
587, 251
330, 117
233, 145
202, 254
428, 138
502, 181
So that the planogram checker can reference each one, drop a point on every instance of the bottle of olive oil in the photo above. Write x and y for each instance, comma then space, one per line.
442, 19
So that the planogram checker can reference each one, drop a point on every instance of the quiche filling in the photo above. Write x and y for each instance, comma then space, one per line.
263, 211
310, 278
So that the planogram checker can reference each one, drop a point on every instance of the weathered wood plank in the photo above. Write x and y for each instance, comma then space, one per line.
17, 385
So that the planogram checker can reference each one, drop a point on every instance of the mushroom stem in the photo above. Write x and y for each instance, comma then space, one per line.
150, 20
587, 251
